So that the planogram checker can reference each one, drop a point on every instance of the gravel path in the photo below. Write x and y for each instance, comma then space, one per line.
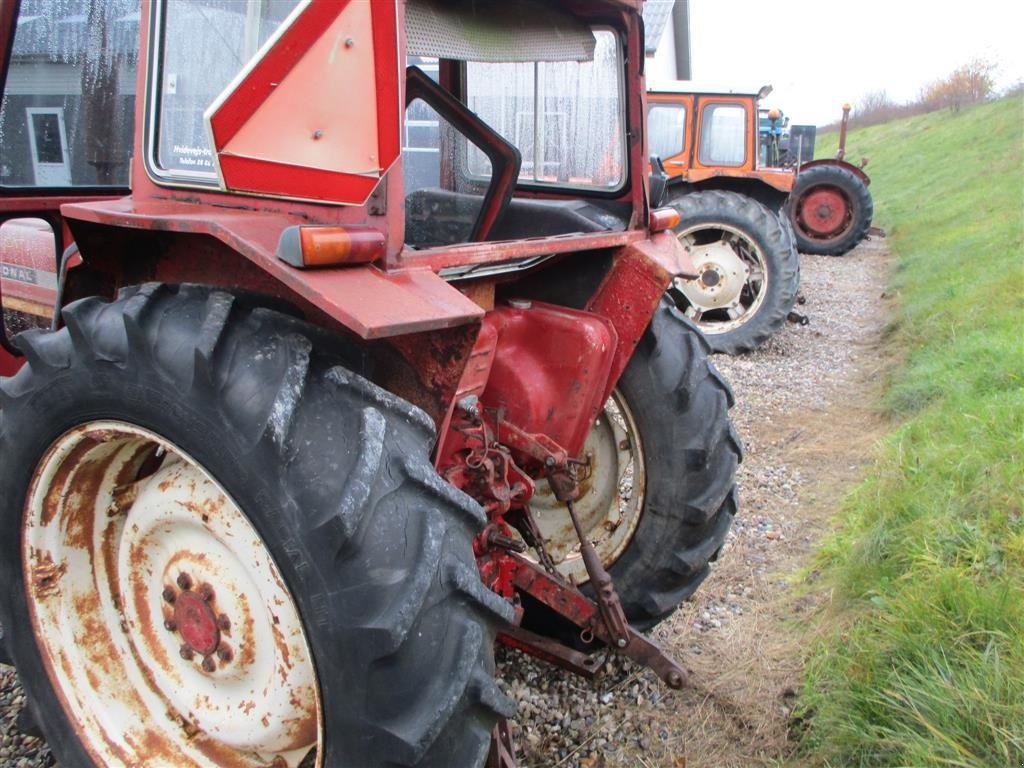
804, 409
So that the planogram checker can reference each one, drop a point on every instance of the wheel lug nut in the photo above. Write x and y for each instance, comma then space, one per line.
169, 594
184, 581
171, 625
186, 652
224, 652
206, 593
209, 665
223, 623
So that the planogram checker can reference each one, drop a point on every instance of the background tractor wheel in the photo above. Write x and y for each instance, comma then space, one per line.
749, 269
661, 494
830, 209
220, 546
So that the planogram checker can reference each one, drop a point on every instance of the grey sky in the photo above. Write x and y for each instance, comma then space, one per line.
818, 55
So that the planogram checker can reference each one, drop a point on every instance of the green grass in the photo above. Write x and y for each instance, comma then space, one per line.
921, 661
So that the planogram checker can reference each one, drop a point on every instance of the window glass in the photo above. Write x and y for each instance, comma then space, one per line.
722, 135
566, 118
442, 201
67, 115
205, 43
666, 124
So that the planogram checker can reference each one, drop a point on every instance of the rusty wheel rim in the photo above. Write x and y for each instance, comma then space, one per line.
732, 280
824, 212
612, 499
165, 627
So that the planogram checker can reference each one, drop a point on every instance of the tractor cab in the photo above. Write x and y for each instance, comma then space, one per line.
701, 134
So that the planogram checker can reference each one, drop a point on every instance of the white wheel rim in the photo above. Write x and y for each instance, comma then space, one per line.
726, 266
612, 501
165, 627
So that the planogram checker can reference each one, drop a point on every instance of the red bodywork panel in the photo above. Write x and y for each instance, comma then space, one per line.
28, 267
369, 301
549, 370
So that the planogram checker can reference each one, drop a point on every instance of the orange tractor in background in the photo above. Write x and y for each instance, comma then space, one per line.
335, 344
747, 206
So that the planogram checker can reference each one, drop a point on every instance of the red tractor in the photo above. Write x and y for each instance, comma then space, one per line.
830, 205
349, 353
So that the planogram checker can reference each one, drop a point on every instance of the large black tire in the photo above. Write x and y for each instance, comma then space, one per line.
675, 404
830, 208
749, 269
680, 405
331, 471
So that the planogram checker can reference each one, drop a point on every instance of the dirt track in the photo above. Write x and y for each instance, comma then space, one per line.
805, 409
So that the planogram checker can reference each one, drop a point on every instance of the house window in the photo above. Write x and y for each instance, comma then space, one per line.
67, 115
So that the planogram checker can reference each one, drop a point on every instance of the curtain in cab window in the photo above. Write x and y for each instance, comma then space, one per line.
666, 124
722, 139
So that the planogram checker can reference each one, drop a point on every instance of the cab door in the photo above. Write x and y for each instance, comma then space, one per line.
724, 138
67, 75
669, 130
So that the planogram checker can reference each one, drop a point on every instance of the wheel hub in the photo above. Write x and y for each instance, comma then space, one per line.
611, 500
197, 624
710, 278
721, 277
824, 211
193, 616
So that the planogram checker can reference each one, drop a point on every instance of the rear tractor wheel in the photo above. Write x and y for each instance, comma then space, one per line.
748, 269
659, 494
220, 547
830, 208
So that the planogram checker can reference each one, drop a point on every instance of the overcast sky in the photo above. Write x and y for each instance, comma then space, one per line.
820, 53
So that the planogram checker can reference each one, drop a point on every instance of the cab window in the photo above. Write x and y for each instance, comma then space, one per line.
723, 134
203, 45
666, 127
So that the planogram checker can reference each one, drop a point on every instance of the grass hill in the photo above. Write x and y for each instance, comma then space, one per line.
920, 656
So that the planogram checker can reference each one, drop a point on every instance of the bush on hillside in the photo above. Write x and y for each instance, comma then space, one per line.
971, 83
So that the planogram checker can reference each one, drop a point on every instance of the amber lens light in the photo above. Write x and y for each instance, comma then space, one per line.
329, 246
664, 218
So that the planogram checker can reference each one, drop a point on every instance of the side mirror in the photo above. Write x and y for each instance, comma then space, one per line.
28, 277
658, 182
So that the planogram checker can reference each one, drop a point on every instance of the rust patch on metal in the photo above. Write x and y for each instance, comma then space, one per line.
46, 575
80, 502
55, 493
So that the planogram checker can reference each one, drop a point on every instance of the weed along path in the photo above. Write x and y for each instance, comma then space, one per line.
806, 409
